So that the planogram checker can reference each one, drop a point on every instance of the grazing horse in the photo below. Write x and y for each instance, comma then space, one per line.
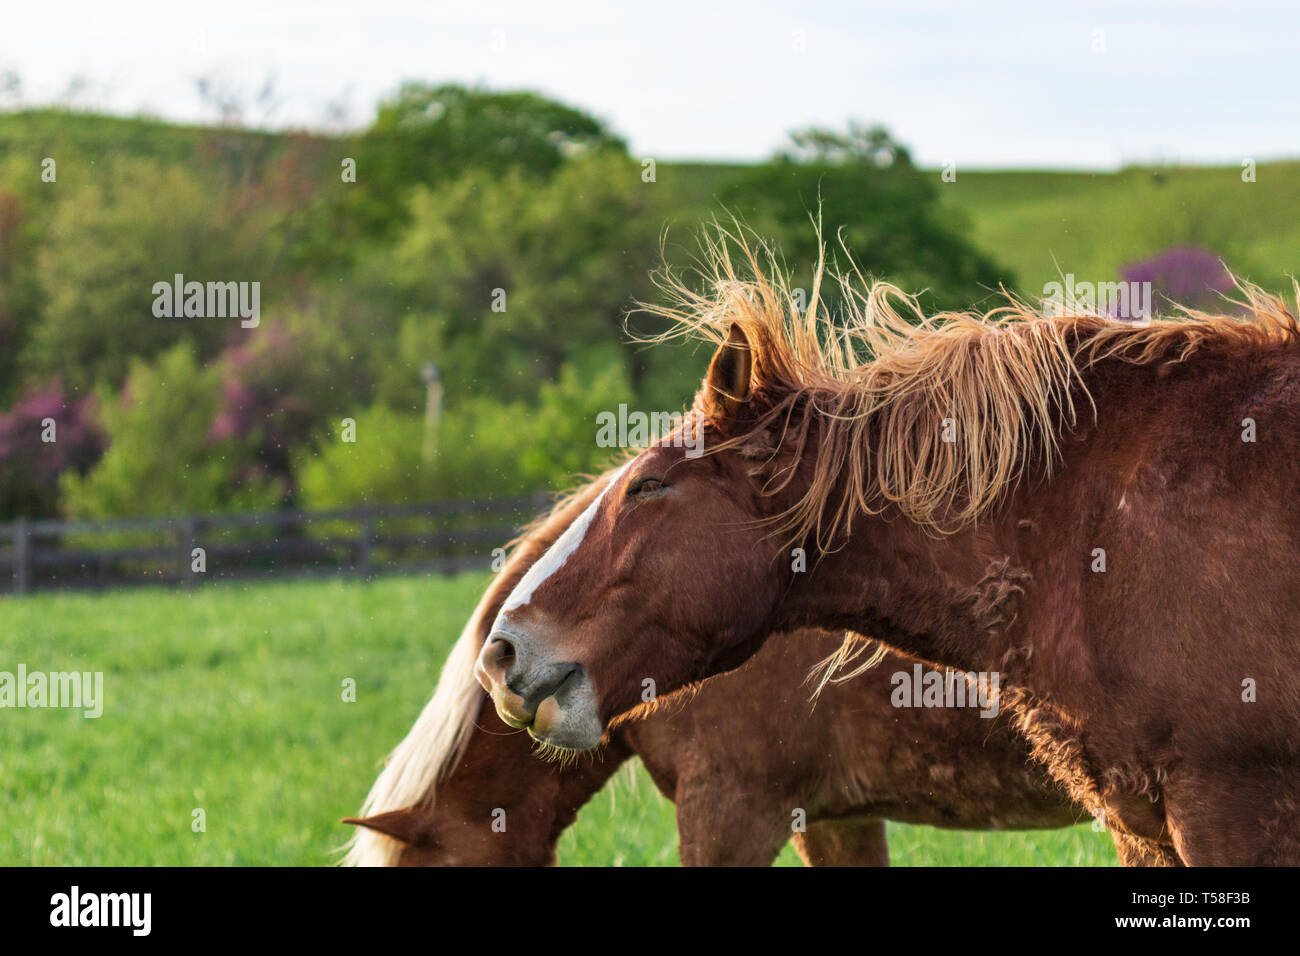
1105, 515
744, 768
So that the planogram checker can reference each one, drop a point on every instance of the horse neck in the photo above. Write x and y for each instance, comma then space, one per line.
946, 598
964, 599
939, 599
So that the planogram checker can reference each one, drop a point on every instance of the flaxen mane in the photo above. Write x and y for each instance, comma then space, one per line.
427, 753
434, 745
936, 415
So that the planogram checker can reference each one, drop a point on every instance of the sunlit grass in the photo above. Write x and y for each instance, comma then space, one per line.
230, 700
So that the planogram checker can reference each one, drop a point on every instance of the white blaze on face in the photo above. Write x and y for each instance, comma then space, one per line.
558, 553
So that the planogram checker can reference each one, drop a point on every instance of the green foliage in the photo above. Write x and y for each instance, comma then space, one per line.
426, 135
496, 449
514, 278
383, 466
884, 210
461, 193
110, 240
398, 374
24, 208
499, 191
560, 439
284, 383
160, 459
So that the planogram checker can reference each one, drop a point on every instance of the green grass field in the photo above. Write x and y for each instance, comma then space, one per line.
230, 700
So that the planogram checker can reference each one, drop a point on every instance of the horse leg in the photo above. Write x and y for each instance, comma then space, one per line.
721, 827
1136, 851
844, 843
1234, 816
1139, 829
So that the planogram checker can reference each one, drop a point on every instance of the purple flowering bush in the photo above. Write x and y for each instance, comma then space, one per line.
277, 391
1186, 275
30, 466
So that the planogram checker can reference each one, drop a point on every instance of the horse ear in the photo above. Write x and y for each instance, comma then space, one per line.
410, 826
727, 386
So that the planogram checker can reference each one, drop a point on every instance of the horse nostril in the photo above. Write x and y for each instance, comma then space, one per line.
496, 659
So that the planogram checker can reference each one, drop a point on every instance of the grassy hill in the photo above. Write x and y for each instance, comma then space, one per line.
39, 130
1039, 223
1044, 223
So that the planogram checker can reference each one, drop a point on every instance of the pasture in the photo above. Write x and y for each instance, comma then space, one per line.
229, 699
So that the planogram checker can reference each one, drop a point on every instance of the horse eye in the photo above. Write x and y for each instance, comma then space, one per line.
644, 487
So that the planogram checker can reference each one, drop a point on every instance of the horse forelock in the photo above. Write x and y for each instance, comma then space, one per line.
876, 385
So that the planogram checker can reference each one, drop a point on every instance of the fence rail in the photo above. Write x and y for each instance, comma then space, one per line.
438, 536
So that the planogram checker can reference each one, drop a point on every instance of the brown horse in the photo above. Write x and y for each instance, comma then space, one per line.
748, 771
1105, 515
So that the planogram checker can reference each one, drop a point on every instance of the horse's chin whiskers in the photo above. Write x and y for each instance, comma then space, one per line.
565, 757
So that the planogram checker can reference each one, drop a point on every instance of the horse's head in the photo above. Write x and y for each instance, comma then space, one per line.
502, 805
467, 825
444, 797
668, 577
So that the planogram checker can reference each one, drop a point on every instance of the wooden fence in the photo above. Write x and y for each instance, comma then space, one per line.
441, 537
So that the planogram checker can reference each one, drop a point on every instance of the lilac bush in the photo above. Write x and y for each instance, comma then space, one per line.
1186, 275
277, 390
30, 466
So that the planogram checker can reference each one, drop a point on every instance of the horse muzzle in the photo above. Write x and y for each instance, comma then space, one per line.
554, 701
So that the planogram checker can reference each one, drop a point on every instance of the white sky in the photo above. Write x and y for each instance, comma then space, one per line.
985, 84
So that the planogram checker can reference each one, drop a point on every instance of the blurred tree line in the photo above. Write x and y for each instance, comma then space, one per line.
502, 236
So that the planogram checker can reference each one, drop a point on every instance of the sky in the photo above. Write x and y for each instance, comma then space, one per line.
981, 85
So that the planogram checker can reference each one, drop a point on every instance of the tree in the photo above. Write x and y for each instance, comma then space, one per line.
107, 245
428, 135
886, 210
515, 278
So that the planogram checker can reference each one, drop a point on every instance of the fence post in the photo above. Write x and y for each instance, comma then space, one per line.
22, 556
367, 542
191, 542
